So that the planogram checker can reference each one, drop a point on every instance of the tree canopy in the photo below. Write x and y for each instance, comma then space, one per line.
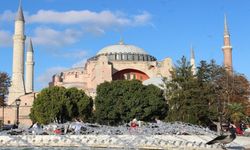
120, 101
187, 101
235, 112
58, 104
4, 85
198, 98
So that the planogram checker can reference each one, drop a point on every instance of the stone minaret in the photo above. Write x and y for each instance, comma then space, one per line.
17, 86
192, 61
29, 84
227, 49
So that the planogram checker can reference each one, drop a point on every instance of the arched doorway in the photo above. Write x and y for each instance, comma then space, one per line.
130, 74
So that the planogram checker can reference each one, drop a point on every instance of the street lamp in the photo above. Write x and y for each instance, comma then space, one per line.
3, 109
2, 96
18, 101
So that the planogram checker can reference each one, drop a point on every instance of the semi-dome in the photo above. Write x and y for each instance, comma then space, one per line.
121, 48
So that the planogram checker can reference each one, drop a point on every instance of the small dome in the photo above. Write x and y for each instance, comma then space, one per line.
121, 48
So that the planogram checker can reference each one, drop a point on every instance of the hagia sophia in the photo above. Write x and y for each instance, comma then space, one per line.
119, 61
115, 62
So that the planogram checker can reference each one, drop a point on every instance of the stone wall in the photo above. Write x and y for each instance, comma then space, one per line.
120, 141
101, 69
10, 111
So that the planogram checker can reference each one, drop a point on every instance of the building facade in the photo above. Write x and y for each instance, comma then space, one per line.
21, 88
114, 62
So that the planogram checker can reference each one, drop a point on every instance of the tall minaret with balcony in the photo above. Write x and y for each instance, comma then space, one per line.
29, 84
192, 61
227, 49
17, 86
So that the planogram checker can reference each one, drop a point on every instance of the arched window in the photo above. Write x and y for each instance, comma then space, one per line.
129, 74
124, 56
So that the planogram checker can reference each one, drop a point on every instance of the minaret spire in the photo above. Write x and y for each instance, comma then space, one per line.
192, 52
192, 60
17, 88
226, 32
30, 48
19, 15
227, 49
29, 84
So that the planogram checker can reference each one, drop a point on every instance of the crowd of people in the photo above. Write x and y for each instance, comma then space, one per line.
243, 129
133, 127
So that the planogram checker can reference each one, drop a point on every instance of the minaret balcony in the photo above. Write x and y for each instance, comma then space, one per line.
19, 37
226, 47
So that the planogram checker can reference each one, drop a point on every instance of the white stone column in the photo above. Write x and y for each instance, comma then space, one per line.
17, 86
192, 61
29, 82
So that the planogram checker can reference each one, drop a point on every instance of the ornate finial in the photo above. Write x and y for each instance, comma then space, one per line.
30, 48
19, 16
121, 42
226, 32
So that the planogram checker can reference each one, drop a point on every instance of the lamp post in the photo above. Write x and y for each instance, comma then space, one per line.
3, 111
18, 101
3, 108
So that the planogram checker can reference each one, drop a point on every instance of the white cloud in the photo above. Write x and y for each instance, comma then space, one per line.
7, 15
45, 78
105, 18
72, 25
75, 54
5, 38
142, 19
81, 63
50, 37
97, 31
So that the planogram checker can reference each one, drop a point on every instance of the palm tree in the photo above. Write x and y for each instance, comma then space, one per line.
235, 111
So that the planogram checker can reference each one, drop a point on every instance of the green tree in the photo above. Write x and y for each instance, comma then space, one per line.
47, 106
78, 104
208, 75
181, 94
193, 98
203, 97
120, 101
57, 104
4, 85
239, 91
236, 112
228, 89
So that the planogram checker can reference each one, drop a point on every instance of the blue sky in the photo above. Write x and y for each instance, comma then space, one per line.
67, 32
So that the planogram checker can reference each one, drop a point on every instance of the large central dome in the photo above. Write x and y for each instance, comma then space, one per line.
124, 52
121, 48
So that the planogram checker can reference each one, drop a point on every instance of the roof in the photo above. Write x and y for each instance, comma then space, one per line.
30, 48
121, 48
19, 15
157, 81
